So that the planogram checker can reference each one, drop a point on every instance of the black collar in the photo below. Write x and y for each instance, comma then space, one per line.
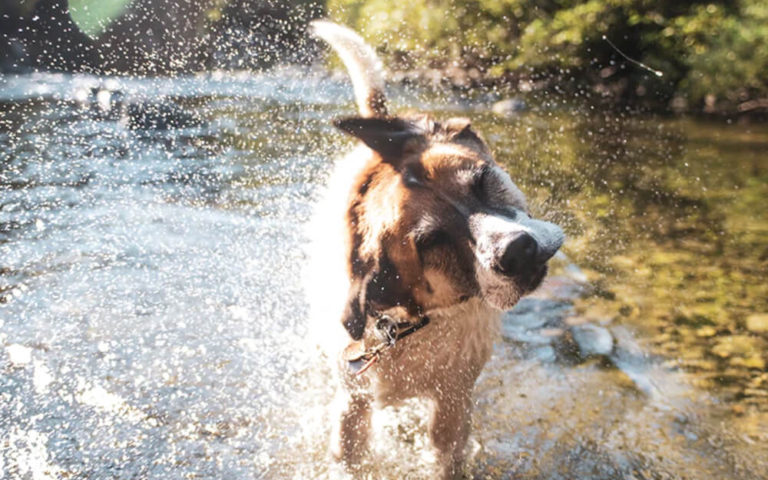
389, 330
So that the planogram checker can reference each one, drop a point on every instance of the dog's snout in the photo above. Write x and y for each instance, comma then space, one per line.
545, 252
549, 238
515, 247
520, 255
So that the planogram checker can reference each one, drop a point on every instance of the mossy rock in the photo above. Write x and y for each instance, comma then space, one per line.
753, 361
758, 323
736, 345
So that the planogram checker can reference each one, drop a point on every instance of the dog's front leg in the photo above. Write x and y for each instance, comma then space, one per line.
349, 442
449, 430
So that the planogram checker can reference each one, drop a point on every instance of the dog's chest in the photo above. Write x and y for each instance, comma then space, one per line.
448, 353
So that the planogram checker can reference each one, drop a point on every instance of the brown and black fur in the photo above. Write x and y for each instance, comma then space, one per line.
431, 226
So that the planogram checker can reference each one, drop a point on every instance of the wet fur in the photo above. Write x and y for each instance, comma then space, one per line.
404, 229
439, 364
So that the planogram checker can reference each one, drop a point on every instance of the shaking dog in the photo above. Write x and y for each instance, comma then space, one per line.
425, 242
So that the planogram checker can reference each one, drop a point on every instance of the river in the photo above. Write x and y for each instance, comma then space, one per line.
153, 324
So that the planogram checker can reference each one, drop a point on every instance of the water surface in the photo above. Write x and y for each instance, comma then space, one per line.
152, 322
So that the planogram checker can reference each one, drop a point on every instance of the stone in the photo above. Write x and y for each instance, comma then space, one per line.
545, 353
592, 340
533, 320
755, 361
706, 331
758, 323
561, 287
509, 107
740, 345
537, 312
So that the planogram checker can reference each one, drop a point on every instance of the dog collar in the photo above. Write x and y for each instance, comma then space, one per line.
389, 330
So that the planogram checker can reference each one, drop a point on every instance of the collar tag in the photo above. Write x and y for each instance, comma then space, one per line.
359, 359
354, 351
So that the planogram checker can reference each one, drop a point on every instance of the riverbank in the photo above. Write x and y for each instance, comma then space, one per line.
511, 95
626, 55
650, 56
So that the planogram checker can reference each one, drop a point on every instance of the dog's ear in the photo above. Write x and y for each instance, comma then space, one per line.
387, 136
460, 128
354, 316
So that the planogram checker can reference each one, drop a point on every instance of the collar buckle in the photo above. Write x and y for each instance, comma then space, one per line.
389, 331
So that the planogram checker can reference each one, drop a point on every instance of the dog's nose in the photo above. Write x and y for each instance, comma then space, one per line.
520, 255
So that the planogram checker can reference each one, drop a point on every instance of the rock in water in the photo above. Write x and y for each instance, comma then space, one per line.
509, 107
537, 312
758, 323
592, 340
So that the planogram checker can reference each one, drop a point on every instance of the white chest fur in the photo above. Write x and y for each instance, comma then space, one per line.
448, 353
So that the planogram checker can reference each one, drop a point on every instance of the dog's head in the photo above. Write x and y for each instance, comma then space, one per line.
434, 221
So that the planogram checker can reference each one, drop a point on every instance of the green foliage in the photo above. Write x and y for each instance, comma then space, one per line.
716, 49
93, 17
727, 53
442, 32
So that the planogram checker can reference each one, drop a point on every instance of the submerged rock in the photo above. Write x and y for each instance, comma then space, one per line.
706, 331
541, 325
561, 287
592, 340
754, 361
533, 320
537, 313
735, 345
545, 325
509, 107
758, 323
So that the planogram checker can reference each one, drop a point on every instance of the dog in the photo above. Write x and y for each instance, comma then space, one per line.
427, 241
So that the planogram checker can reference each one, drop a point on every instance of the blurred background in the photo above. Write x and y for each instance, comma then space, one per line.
712, 53
160, 161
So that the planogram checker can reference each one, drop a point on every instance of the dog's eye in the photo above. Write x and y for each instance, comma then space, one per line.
432, 239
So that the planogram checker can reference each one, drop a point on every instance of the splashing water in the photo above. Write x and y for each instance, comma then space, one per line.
153, 324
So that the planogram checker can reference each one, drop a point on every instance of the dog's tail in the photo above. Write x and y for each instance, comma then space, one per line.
363, 65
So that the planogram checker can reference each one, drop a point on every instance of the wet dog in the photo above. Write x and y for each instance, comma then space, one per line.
427, 241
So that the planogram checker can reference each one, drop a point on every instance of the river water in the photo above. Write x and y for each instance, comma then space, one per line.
153, 325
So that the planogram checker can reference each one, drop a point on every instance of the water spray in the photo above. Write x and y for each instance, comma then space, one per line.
658, 73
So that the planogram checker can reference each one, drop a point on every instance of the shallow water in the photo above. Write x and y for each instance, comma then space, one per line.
153, 324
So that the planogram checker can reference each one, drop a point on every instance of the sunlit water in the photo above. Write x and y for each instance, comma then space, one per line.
153, 324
